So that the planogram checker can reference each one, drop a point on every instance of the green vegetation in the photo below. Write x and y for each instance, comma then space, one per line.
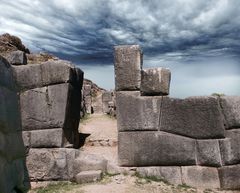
85, 118
218, 94
149, 179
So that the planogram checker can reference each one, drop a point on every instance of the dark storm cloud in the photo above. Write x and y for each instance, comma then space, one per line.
88, 29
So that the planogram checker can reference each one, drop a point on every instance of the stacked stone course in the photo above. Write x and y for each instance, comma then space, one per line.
13, 172
193, 141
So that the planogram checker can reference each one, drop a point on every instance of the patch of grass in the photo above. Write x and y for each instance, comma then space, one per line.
59, 187
184, 186
218, 94
151, 178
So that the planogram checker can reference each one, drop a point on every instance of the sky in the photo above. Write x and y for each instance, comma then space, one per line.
199, 41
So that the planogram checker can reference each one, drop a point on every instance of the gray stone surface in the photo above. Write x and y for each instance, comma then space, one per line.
47, 138
137, 113
10, 118
230, 177
48, 73
17, 58
13, 173
44, 108
88, 176
200, 177
196, 117
151, 148
51, 163
231, 110
230, 147
155, 81
208, 153
86, 162
6, 75
128, 65
171, 174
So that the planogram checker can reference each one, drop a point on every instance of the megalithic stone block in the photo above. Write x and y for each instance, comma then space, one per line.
155, 81
230, 147
154, 148
48, 73
128, 66
17, 58
137, 113
107, 96
13, 173
230, 177
231, 110
200, 177
196, 117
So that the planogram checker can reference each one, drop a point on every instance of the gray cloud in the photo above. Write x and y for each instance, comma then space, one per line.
188, 34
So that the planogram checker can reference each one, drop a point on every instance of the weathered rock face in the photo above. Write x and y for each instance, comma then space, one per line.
155, 149
50, 98
14, 175
130, 58
155, 81
201, 135
17, 58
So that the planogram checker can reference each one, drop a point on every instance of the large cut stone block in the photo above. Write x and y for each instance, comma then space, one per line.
47, 138
17, 58
13, 176
208, 153
200, 177
230, 177
51, 164
10, 118
88, 176
171, 174
11, 146
137, 113
155, 149
155, 81
6, 75
128, 65
231, 110
45, 107
48, 73
230, 147
196, 117
86, 162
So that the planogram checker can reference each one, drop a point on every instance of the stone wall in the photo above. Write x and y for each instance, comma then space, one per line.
50, 101
193, 141
13, 172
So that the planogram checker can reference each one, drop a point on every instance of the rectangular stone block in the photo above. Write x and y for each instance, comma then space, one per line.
48, 73
17, 58
44, 108
155, 149
171, 174
208, 153
88, 176
231, 110
128, 65
6, 75
230, 177
51, 164
11, 145
47, 138
10, 118
155, 81
137, 113
195, 117
105, 107
230, 147
200, 177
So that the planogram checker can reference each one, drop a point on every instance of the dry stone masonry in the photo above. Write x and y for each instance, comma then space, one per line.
50, 100
13, 172
193, 141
